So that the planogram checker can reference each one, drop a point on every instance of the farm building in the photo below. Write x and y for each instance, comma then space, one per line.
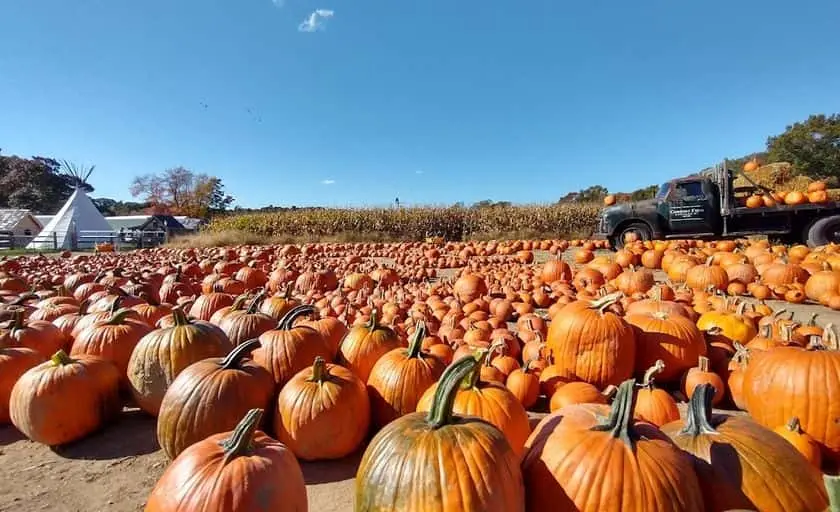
145, 230
17, 227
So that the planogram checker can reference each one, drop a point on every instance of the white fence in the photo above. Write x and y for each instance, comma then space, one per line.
86, 240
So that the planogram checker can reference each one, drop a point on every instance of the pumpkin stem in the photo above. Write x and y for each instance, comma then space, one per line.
606, 301
255, 303
656, 369
17, 321
234, 358
440, 413
472, 379
119, 317
373, 322
241, 440
526, 366
179, 317
61, 358
416, 341
115, 305
618, 424
794, 426
699, 417
832, 487
288, 320
320, 372
609, 392
703, 364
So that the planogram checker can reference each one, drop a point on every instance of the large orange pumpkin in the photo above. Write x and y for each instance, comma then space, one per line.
39, 335
591, 343
792, 381
674, 339
65, 398
365, 344
209, 397
14, 362
323, 412
595, 458
742, 465
239, 470
413, 463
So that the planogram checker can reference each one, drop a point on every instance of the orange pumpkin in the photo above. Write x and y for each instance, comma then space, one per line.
653, 404
804, 444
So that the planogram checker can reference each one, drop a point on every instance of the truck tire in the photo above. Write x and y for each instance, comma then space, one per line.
639, 228
824, 231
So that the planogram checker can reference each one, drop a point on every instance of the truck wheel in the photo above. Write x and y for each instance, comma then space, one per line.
824, 231
636, 230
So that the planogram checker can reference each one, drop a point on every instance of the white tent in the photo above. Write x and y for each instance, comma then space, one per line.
77, 215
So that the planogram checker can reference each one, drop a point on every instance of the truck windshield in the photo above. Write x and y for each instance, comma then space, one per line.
663, 190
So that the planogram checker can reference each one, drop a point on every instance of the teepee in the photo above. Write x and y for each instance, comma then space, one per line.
78, 214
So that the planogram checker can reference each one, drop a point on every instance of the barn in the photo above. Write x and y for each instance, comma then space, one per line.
17, 228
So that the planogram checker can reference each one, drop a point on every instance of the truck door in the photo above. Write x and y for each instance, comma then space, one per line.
690, 208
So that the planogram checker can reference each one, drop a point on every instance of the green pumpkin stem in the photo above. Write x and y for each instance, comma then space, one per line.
241, 440
415, 344
832, 487
119, 317
232, 360
61, 358
320, 372
471, 380
288, 320
115, 306
699, 415
253, 307
373, 322
440, 413
619, 422
179, 317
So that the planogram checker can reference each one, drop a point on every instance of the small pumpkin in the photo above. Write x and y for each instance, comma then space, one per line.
702, 374
804, 444
240, 470
241, 325
408, 465
365, 344
524, 383
653, 404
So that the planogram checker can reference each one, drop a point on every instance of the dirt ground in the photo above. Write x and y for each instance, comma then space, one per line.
116, 468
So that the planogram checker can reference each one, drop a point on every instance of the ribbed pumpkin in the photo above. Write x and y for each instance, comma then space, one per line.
489, 401
113, 340
782, 273
240, 470
555, 270
792, 381
576, 393
206, 305
163, 353
277, 306
822, 284
209, 397
655, 405
399, 378
635, 280
674, 339
704, 277
742, 465
332, 329
365, 344
733, 325
323, 412
241, 325
289, 348
65, 398
524, 383
469, 287
416, 463
591, 343
14, 362
595, 458
39, 335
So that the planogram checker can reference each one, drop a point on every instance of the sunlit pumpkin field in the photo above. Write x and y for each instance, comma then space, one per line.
486, 376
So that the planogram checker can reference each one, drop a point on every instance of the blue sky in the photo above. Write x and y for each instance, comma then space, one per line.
354, 102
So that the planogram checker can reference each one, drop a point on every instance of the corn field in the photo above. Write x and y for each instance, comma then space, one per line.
417, 223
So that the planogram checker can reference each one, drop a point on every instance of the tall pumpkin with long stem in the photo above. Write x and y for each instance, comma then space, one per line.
399, 379
415, 462
241, 325
240, 470
596, 458
655, 405
592, 343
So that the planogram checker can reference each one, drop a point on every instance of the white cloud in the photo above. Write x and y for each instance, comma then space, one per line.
316, 20
418, 172
327, 182
278, 3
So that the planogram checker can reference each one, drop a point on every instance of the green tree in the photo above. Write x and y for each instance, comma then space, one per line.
644, 193
812, 146
593, 193
39, 184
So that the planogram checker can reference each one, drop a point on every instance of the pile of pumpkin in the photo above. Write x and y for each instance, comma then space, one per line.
321, 348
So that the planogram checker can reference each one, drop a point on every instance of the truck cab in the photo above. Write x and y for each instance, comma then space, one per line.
706, 205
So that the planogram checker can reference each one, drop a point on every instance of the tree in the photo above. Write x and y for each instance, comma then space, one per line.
39, 184
593, 193
644, 193
181, 191
812, 146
